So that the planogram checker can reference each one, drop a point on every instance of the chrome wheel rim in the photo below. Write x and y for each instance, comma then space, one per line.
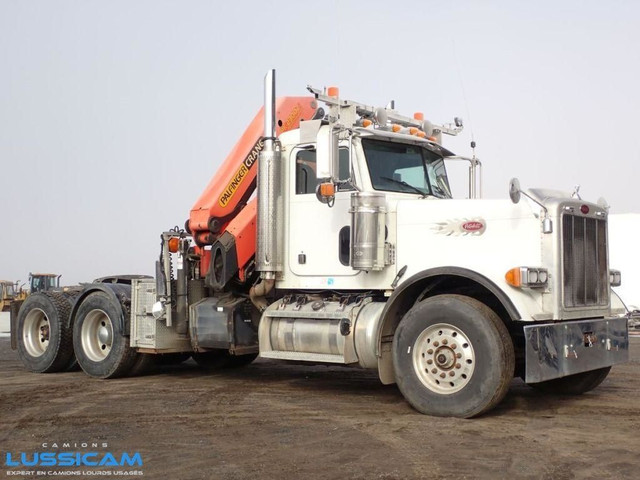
37, 331
443, 358
96, 335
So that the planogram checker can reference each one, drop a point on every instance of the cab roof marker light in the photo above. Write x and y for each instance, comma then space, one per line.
364, 122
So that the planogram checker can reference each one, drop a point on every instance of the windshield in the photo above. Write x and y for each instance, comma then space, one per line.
43, 282
399, 167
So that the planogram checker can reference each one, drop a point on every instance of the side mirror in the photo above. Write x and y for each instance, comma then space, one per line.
515, 193
327, 154
514, 190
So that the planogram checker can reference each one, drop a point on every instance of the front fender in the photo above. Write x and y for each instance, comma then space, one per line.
429, 281
432, 282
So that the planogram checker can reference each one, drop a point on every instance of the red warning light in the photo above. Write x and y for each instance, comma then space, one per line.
584, 209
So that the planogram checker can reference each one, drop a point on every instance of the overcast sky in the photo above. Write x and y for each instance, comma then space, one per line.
115, 114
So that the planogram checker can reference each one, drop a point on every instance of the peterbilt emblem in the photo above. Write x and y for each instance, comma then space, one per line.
473, 226
461, 226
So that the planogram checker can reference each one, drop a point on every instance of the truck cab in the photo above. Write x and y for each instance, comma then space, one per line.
43, 282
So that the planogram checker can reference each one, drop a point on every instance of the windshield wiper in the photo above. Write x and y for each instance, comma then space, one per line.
405, 184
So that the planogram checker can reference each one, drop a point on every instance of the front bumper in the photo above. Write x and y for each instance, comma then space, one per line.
555, 350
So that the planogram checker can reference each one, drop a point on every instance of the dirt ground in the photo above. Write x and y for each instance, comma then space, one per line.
280, 421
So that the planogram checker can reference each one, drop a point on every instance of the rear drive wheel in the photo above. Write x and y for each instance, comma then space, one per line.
576, 384
101, 348
147, 362
453, 357
44, 337
70, 296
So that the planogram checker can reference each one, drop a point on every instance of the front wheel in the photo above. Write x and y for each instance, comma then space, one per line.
453, 357
576, 384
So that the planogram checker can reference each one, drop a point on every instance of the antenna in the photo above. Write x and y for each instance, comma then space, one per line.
464, 98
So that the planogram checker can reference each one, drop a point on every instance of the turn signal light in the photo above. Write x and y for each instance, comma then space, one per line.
527, 277
512, 277
174, 243
327, 189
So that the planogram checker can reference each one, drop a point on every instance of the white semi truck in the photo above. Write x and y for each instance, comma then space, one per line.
330, 235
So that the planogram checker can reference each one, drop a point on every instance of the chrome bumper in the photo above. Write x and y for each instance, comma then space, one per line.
555, 350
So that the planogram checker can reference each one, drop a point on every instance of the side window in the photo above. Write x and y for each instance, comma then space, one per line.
306, 180
344, 170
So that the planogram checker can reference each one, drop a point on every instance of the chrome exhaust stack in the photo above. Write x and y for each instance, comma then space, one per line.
270, 203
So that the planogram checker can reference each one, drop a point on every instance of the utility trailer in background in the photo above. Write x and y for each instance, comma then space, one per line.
624, 231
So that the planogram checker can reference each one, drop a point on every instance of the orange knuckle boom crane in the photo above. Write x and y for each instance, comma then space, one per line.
224, 216
335, 238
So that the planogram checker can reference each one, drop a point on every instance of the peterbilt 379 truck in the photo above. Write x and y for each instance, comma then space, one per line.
330, 235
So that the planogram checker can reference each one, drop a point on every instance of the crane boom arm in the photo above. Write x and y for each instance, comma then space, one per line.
228, 192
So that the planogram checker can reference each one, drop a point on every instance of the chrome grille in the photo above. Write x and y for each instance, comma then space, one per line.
585, 271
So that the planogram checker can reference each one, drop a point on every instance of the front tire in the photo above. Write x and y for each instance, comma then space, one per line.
101, 348
44, 343
453, 357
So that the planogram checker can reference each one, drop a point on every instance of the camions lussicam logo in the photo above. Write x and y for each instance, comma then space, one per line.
74, 459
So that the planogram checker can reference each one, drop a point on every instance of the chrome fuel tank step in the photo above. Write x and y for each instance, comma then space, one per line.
321, 331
